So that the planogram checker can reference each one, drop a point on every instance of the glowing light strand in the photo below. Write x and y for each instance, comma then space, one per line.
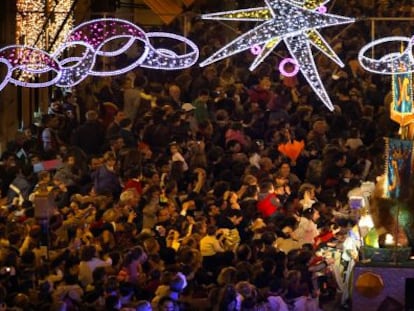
92, 37
289, 21
389, 64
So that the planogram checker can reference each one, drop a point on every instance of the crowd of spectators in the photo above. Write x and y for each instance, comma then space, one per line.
171, 191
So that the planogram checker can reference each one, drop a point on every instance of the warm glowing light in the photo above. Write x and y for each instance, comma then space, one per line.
33, 15
42, 24
296, 23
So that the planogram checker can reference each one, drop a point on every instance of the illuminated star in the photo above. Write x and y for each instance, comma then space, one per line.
293, 21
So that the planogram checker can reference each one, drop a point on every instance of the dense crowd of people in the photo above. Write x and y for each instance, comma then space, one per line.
208, 189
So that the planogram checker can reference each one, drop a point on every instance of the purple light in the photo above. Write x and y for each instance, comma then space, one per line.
8, 74
72, 70
286, 61
256, 49
322, 9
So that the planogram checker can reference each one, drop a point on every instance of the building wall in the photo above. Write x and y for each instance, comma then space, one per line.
8, 96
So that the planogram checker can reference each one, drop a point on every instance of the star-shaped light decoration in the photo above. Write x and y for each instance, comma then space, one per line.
293, 21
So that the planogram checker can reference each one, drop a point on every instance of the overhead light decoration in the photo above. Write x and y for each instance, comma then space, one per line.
33, 15
296, 23
42, 24
391, 63
62, 21
400, 65
30, 17
90, 38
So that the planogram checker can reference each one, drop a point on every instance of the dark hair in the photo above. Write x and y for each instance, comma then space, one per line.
98, 274
211, 229
228, 297
111, 301
203, 92
165, 299
308, 212
88, 252
125, 122
265, 186
243, 252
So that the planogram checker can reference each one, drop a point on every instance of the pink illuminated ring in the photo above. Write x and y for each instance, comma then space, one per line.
322, 9
29, 60
256, 49
286, 61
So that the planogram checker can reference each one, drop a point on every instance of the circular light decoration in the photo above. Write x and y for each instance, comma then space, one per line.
256, 49
291, 61
322, 9
75, 69
92, 37
391, 63
22, 59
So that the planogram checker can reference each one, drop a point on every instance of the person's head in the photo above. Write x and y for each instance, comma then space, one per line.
311, 213
265, 82
266, 164
178, 283
143, 305
210, 73
320, 127
174, 148
135, 254
340, 159
109, 159
99, 275
112, 302
267, 187
95, 162
211, 230
91, 115
307, 191
235, 216
174, 91
166, 303
126, 123
284, 170
226, 276
88, 252
163, 214
204, 95
129, 197
243, 252
119, 116
116, 142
